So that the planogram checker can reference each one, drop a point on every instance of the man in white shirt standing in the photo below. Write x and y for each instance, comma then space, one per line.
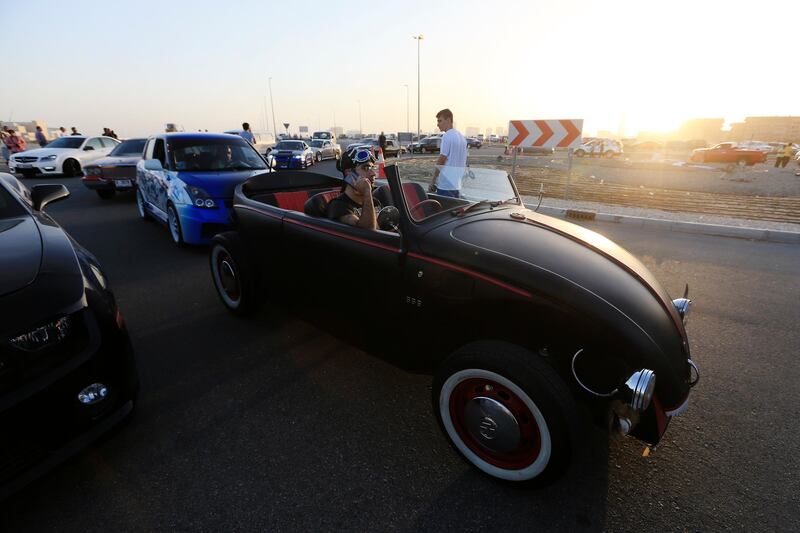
246, 134
452, 157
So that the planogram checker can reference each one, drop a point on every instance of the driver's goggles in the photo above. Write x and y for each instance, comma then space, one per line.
361, 156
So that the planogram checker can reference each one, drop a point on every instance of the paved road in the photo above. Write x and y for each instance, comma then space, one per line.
272, 423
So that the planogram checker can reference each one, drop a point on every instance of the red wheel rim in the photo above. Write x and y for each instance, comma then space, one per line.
529, 447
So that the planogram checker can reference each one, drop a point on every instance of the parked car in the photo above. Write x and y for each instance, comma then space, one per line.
324, 135
494, 138
599, 147
64, 155
292, 154
728, 152
264, 141
186, 181
431, 144
114, 173
472, 142
323, 149
533, 315
67, 369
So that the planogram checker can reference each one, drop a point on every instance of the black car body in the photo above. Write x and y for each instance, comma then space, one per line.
520, 316
472, 142
115, 172
430, 144
67, 370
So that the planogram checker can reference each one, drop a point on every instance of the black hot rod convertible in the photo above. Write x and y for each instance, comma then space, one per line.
521, 317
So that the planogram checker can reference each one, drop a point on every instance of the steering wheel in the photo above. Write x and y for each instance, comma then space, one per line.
420, 208
389, 218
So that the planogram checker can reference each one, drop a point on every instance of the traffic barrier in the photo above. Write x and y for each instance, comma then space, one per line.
381, 164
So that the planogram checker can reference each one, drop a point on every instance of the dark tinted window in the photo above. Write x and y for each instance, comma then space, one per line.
204, 154
9, 207
289, 145
129, 147
158, 152
66, 142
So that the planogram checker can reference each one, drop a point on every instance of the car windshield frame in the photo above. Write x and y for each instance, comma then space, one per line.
56, 143
119, 151
197, 155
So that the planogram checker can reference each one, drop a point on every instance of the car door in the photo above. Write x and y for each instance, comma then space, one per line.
92, 149
327, 149
161, 178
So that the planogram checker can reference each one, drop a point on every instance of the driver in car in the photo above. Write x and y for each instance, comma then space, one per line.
356, 206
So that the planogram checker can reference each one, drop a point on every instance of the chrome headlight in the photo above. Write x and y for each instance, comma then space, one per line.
48, 158
683, 305
44, 336
637, 391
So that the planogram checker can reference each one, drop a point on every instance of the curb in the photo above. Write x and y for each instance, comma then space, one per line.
785, 237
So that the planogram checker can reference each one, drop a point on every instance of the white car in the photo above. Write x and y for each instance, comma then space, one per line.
599, 147
65, 155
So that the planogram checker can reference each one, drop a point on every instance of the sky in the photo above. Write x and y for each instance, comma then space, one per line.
619, 65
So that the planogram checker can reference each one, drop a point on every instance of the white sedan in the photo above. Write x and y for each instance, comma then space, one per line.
65, 155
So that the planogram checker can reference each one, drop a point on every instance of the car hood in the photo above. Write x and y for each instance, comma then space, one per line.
116, 161
218, 184
22, 253
44, 152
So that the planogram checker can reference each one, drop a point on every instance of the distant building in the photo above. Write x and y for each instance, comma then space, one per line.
472, 131
27, 130
780, 129
707, 129
500, 131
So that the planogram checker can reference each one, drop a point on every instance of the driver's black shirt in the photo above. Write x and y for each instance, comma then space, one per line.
343, 205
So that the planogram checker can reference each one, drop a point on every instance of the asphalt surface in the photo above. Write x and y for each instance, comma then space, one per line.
274, 424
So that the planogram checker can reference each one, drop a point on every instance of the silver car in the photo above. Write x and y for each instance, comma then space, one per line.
325, 149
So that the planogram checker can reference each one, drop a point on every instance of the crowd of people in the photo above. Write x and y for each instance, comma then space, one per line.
13, 143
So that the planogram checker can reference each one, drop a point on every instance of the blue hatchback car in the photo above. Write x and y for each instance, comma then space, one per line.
186, 181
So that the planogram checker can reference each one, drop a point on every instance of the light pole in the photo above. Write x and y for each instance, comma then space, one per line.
359, 119
272, 105
418, 39
407, 123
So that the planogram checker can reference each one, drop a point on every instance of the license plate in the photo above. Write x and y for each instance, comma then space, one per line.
24, 165
121, 184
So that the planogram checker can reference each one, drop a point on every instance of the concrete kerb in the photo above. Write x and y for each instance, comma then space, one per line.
787, 237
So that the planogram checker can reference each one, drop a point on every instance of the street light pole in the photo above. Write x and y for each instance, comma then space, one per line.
272, 105
418, 39
359, 119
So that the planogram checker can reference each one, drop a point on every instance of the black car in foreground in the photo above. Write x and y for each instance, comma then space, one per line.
67, 369
520, 317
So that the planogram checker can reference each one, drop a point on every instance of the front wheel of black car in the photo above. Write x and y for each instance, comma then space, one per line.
506, 411
233, 275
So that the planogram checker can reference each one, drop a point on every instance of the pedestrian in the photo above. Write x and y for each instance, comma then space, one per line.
382, 142
41, 138
14, 143
246, 134
74, 131
452, 161
4, 149
784, 156
62, 132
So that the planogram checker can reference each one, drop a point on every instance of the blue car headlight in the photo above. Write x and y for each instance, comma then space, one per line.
43, 336
200, 198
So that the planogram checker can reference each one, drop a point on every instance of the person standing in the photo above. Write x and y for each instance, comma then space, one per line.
452, 158
3, 146
62, 132
74, 131
784, 156
246, 134
15, 143
382, 143
41, 138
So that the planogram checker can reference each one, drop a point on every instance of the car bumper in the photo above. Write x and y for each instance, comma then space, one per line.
100, 184
199, 225
288, 163
35, 168
44, 423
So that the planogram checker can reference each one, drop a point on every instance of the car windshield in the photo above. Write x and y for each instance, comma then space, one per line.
66, 142
131, 147
458, 189
316, 144
322, 135
208, 155
8, 206
289, 145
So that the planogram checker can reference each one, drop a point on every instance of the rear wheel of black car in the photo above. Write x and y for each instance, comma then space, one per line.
174, 225
233, 274
105, 195
71, 168
506, 412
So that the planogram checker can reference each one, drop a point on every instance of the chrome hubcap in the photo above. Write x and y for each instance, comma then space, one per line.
492, 425
228, 277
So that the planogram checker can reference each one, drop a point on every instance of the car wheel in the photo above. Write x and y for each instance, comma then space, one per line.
234, 277
105, 195
506, 412
174, 224
319, 157
140, 206
71, 168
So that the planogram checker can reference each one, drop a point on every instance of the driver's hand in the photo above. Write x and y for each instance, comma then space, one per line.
432, 187
364, 186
